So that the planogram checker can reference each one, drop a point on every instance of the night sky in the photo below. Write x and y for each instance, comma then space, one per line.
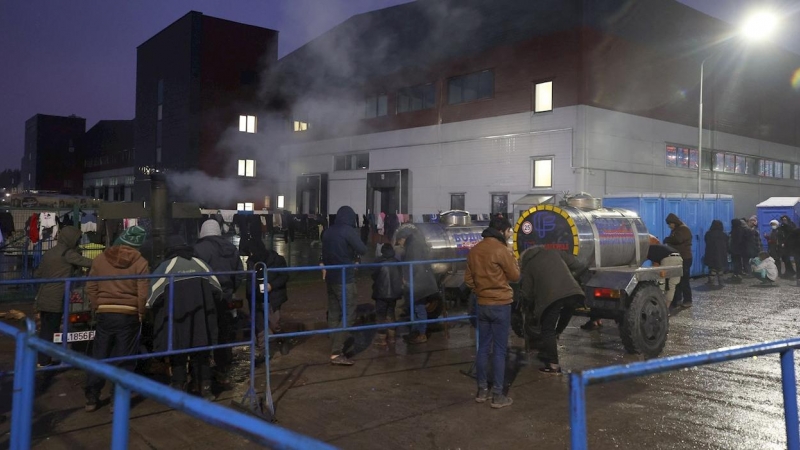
78, 57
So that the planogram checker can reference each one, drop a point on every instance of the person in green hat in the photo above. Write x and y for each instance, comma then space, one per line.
118, 305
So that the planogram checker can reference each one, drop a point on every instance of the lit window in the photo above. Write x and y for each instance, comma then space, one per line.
247, 124
300, 125
244, 206
543, 97
280, 201
542, 173
247, 168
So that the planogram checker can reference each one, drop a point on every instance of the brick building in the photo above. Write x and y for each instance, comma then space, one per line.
471, 104
52, 160
108, 171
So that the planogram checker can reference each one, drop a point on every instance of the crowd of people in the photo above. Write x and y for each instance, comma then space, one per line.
202, 313
204, 309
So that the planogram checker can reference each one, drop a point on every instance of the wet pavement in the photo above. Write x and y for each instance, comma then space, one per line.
419, 397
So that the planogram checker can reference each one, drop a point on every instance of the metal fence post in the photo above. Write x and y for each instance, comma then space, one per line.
65, 316
122, 412
268, 387
171, 311
577, 412
788, 380
24, 386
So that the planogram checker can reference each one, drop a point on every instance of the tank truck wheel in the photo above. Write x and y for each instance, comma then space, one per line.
645, 324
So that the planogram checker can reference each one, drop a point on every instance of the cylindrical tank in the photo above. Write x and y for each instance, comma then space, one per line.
451, 238
604, 237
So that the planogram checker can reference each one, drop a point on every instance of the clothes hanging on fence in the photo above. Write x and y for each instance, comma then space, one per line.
227, 215
88, 222
33, 228
48, 226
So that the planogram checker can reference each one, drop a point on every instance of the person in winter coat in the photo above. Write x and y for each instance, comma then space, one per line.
194, 314
426, 289
751, 244
550, 293
341, 244
716, 257
785, 230
387, 288
62, 261
772, 237
738, 248
764, 268
275, 286
118, 305
221, 256
681, 240
490, 268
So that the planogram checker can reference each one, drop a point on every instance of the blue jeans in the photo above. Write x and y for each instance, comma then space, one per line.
493, 324
420, 313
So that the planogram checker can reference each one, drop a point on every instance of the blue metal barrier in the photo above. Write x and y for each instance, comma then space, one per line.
28, 345
345, 327
579, 380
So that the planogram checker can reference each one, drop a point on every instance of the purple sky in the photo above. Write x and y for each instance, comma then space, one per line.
79, 57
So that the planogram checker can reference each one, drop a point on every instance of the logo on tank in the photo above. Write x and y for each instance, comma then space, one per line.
543, 224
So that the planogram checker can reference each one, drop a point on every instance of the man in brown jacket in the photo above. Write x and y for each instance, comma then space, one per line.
490, 267
118, 305
550, 294
681, 240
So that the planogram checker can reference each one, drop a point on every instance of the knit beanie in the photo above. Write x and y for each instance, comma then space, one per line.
133, 237
209, 228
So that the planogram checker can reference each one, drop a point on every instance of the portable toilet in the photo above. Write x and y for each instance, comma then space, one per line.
772, 209
697, 211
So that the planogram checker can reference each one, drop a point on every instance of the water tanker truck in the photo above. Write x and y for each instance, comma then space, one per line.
612, 243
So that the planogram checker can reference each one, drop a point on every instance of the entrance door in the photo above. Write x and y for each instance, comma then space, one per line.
312, 194
388, 191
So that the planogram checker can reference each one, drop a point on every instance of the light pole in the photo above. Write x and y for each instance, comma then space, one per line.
756, 27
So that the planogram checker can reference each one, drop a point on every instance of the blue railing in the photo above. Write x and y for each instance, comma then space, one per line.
27, 346
579, 380
342, 268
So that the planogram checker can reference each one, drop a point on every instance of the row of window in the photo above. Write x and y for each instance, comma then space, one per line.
247, 206
461, 89
358, 161
124, 156
111, 181
499, 202
727, 162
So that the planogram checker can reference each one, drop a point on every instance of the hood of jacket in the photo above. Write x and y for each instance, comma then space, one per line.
69, 236
716, 225
672, 218
122, 256
209, 228
346, 216
223, 246
492, 233
736, 223
528, 255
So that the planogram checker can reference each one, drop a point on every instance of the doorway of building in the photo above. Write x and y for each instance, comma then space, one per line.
312, 194
388, 192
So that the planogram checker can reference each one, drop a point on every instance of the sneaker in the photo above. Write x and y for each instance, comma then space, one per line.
205, 392
90, 406
482, 395
341, 360
415, 339
686, 304
501, 401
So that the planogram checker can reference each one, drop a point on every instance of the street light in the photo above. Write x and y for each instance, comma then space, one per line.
757, 27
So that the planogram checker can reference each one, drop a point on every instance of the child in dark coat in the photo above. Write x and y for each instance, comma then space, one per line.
387, 288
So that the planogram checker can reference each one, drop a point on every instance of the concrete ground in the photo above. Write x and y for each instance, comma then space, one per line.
419, 398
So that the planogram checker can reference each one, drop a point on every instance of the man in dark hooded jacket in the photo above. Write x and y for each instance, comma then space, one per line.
61, 261
785, 229
194, 314
426, 290
341, 244
681, 240
550, 294
221, 256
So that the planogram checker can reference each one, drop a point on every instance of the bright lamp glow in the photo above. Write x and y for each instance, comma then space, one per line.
760, 26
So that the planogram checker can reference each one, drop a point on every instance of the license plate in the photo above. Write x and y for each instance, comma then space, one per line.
77, 336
